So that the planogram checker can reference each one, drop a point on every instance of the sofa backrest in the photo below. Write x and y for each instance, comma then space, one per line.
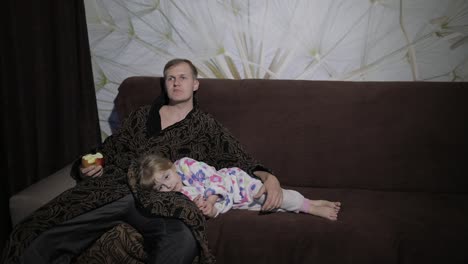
407, 136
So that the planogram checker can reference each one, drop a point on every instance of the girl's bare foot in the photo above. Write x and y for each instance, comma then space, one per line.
324, 211
335, 205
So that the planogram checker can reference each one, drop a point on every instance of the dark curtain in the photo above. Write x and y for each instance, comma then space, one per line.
49, 112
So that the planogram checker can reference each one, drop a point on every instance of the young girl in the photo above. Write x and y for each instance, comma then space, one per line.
217, 191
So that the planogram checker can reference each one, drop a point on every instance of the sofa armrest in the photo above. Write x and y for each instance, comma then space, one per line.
38, 194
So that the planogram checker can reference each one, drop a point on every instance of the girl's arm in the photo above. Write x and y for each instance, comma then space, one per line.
207, 206
212, 199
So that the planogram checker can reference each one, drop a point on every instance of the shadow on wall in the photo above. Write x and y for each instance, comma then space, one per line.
142, 94
114, 121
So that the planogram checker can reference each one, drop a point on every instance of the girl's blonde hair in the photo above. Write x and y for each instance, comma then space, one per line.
148, 166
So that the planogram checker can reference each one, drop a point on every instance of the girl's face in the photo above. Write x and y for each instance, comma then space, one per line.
167, 181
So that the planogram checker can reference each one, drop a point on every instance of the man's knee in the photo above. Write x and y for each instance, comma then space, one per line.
177, 245
182, 240
187, 243
178, 231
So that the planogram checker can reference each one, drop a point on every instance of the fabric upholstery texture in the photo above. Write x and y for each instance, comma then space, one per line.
392, 152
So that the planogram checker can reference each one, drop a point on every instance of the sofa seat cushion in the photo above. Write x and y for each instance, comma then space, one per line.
35, 196
373, 227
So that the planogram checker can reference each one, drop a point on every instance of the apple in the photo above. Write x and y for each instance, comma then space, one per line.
92, 159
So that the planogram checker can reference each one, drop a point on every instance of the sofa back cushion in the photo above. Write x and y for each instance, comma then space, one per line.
407, 136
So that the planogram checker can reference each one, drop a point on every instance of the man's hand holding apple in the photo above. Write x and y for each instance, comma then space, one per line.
92, 165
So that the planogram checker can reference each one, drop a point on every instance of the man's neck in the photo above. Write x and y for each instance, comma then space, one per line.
179, 111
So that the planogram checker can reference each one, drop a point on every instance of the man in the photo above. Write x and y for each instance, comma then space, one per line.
174, 127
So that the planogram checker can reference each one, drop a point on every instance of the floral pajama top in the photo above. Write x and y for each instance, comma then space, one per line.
234, 186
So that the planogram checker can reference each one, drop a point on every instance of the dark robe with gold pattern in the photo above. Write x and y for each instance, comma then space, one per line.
198, 136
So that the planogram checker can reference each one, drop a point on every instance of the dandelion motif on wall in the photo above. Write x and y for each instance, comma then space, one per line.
359, 40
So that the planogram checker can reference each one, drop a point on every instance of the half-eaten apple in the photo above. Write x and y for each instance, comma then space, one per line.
92, 159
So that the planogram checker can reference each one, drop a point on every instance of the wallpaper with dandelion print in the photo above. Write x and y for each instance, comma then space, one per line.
358, 40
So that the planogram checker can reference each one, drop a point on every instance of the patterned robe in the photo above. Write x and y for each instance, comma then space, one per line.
198, 136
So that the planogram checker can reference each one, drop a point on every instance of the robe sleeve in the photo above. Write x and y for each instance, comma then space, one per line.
119, 148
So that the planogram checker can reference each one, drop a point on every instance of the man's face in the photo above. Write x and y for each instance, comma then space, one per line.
167, 181
180, 83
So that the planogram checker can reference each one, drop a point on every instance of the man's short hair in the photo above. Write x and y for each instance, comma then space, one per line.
175, 62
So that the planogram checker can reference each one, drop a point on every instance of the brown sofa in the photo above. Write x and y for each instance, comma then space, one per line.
394, 154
